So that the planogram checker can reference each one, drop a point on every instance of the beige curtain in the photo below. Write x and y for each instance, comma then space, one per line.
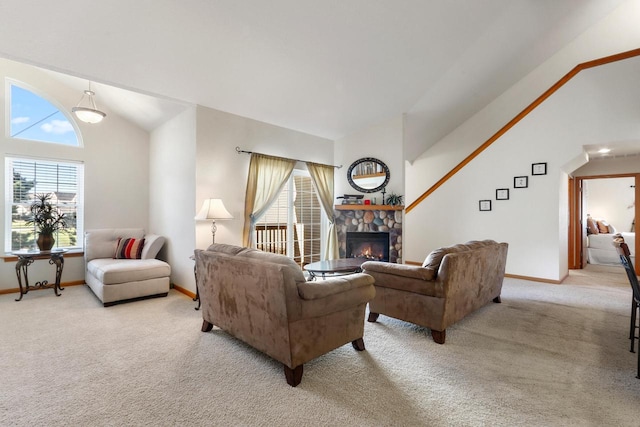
267, 176
322, 176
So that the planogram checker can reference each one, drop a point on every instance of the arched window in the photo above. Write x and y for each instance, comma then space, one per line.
38, 119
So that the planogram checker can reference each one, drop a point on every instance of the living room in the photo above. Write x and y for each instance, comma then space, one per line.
157, 178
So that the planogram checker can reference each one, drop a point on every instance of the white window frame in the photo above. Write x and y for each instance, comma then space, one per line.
9, 203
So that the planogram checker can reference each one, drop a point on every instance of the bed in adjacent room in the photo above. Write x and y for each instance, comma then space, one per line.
600, 249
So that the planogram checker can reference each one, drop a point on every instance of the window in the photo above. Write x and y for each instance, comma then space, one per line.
35, 118
295, 225
24, 179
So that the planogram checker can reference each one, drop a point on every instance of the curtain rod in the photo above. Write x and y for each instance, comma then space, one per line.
239, 151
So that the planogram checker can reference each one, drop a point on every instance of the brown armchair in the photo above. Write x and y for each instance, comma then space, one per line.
264, 300
451, 283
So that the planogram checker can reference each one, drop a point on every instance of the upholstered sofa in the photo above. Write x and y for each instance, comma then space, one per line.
115, 280
264, 300
451, 283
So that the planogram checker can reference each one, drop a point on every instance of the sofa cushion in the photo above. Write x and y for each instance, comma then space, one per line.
295, 269
405, 270
434, 259
113, 271
152, 245
129, 248
334, 285
228, 249
475, 244
101, 243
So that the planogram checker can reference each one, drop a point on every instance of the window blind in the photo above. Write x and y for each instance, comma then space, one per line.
24, 179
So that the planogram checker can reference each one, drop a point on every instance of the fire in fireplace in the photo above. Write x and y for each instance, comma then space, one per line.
368, 245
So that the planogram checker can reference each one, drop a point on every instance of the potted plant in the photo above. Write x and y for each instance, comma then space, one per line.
47, 219
394, 199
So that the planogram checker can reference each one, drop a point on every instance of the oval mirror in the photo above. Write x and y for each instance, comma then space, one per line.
368, 175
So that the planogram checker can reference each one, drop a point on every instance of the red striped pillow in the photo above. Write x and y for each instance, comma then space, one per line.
129, 248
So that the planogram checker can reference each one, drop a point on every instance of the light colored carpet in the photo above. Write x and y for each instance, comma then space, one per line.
549, 355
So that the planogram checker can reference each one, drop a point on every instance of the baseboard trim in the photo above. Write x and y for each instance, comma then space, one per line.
536, 279
62, 285
184, 291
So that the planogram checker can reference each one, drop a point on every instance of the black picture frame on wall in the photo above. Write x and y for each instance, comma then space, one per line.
538, 169
485, 205
502, 194
520, 182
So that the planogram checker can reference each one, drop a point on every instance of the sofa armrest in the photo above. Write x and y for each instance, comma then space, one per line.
404, 270
334, 285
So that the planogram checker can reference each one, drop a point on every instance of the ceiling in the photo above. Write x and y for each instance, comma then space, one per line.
328, 68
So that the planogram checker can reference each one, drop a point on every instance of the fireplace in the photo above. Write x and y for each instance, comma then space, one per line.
372, 218
369, 245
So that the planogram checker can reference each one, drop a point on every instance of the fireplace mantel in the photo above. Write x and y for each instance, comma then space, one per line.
369, 207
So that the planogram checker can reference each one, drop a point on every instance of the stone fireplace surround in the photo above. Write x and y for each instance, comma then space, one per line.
370, 218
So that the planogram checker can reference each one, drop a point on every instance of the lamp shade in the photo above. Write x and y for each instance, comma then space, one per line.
213, 209
88, 115
86, 109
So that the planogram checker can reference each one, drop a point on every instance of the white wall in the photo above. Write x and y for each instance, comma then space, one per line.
534, 220
115, 155
172, 196
220, 172
382, 141
617, 33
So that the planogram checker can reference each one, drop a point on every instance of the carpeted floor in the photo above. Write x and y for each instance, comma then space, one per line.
549, 355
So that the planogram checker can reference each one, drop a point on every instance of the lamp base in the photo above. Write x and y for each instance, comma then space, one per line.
214, 228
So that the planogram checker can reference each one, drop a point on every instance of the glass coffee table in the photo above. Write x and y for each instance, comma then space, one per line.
335, 267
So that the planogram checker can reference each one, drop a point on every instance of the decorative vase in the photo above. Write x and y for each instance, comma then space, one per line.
45, 242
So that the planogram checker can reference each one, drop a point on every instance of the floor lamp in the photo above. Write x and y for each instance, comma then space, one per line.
213, 209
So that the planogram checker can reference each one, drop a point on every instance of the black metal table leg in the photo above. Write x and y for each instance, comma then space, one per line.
21, 271
58, 260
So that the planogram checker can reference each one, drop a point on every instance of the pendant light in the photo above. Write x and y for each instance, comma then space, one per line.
88, 113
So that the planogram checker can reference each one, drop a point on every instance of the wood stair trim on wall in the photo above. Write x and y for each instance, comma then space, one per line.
571, 74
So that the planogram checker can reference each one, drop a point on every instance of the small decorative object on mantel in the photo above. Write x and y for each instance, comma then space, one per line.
485, 205
538, 169
520, 182
351, 199
47, 219
394, 199
502, 194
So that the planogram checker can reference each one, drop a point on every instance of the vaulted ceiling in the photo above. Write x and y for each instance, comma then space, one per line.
327, 68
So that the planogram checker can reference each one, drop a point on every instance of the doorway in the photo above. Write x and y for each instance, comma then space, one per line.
578, 211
